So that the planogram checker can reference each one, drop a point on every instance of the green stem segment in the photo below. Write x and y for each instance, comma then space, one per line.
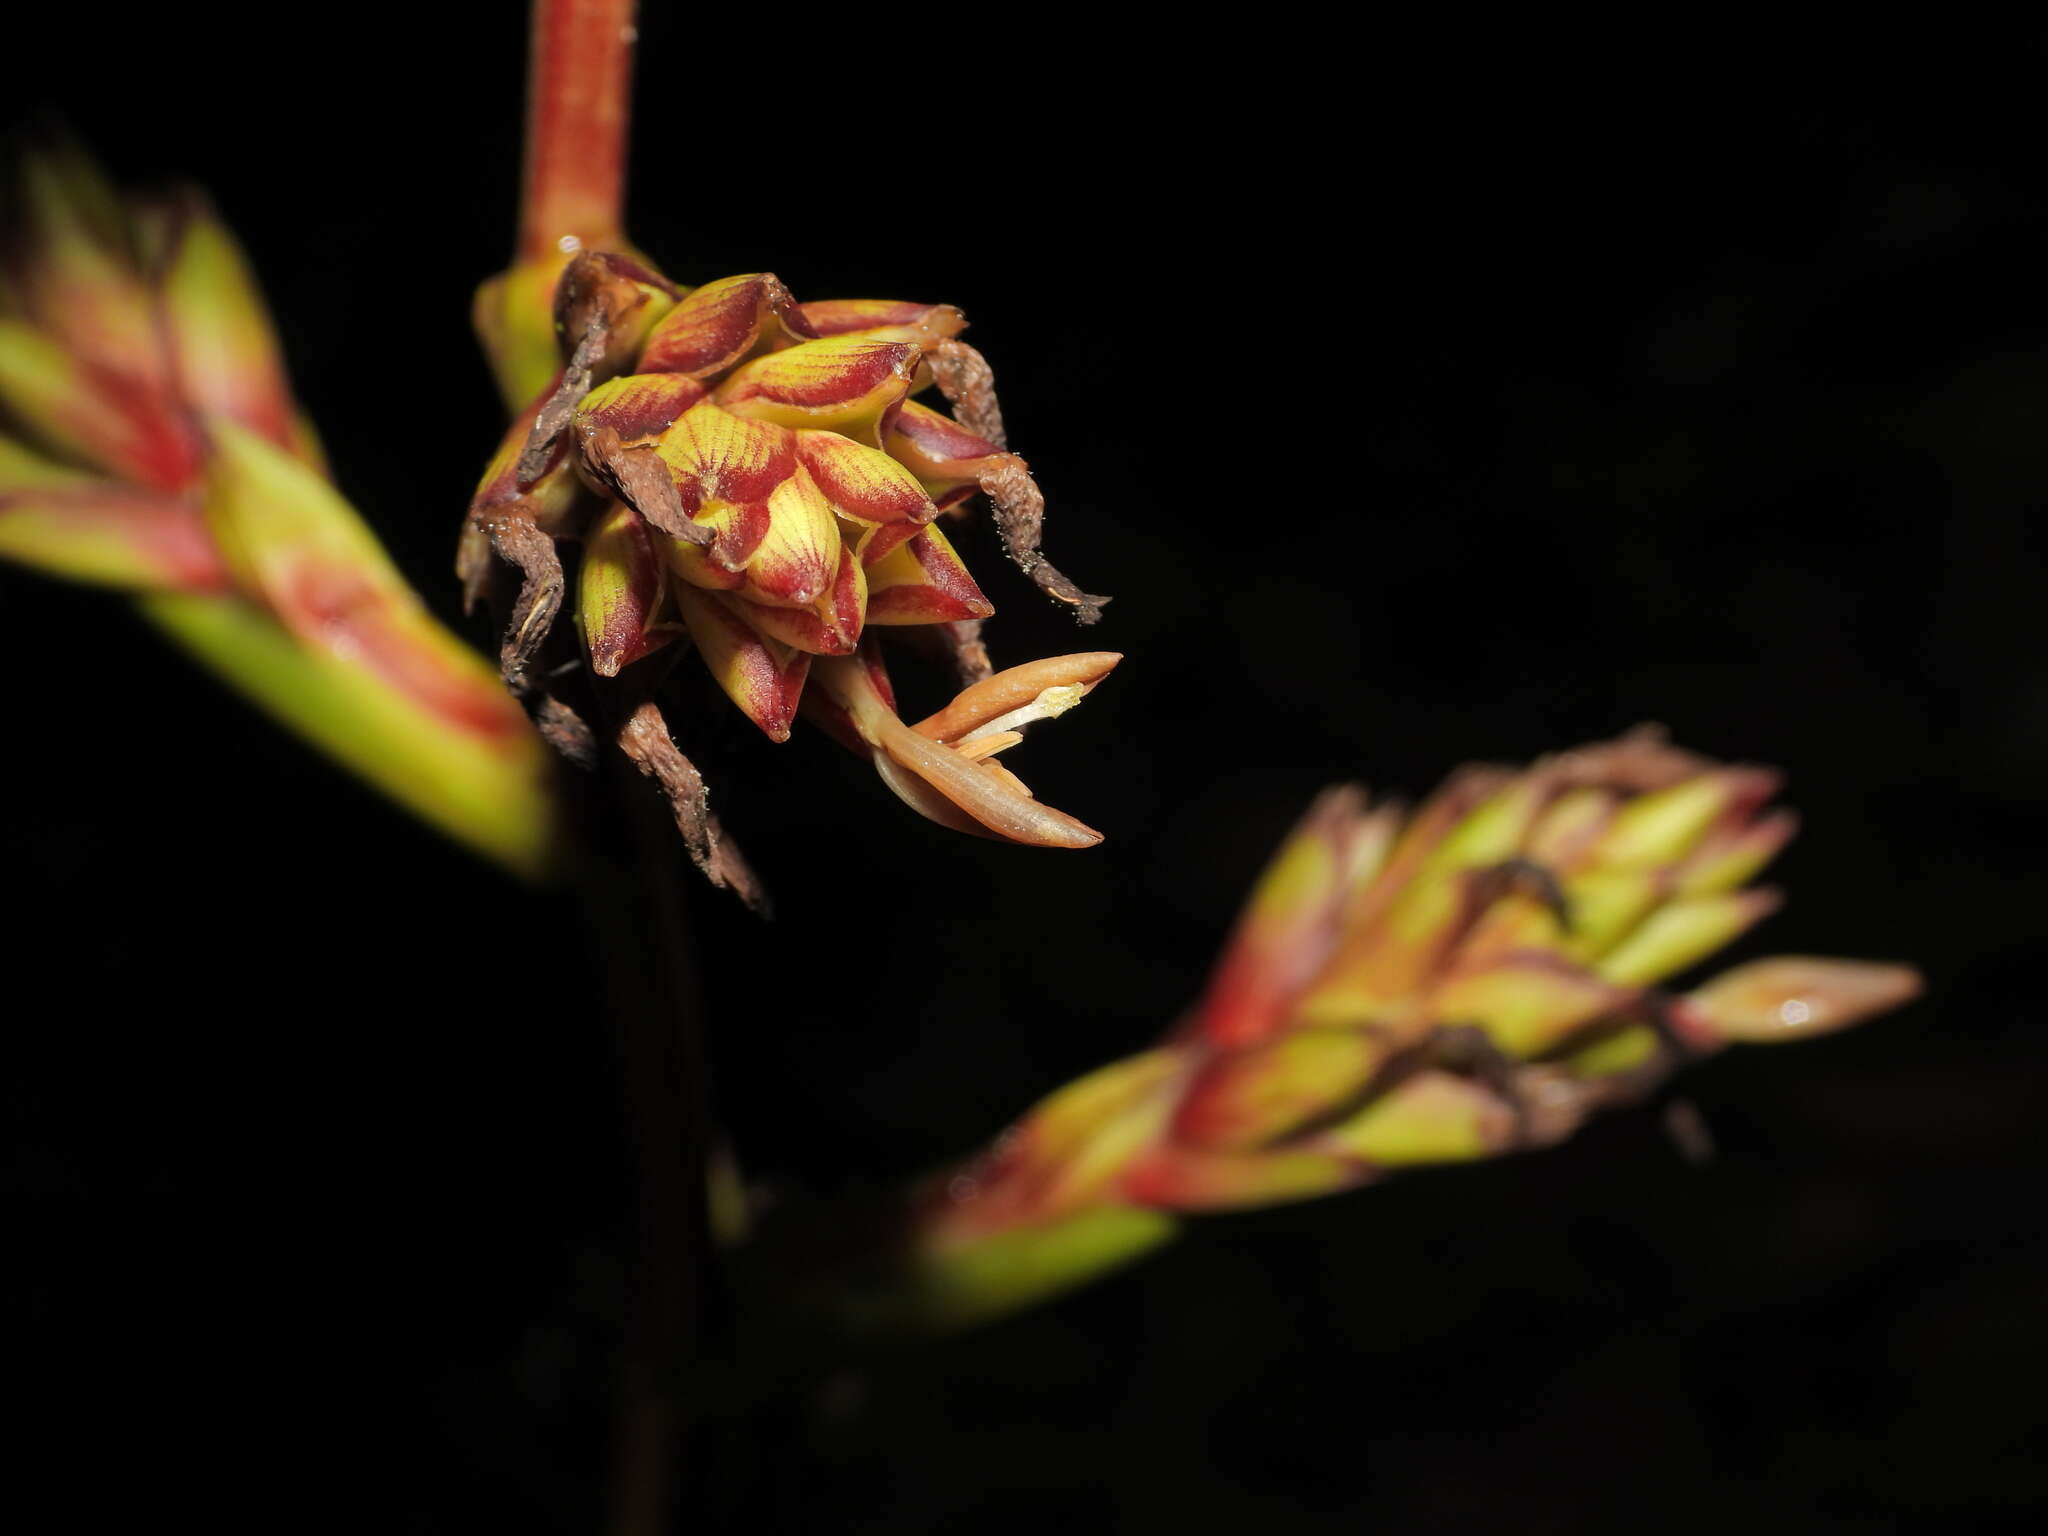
482, 790
951, 1287
580, 81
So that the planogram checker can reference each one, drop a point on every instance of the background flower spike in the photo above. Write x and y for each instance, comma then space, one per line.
222, 347
1454, 1043
70, 523
73, 264
146, 354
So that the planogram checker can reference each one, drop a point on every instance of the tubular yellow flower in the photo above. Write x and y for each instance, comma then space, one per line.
1471, 978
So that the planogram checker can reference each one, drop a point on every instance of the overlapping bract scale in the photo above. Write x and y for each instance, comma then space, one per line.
774, 423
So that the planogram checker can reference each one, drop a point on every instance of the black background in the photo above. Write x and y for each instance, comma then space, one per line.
1446, 393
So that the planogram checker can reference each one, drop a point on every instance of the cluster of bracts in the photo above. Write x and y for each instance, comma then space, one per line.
1404, 989
751, 477
150, 442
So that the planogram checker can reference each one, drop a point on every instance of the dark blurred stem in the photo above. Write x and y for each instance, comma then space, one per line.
580, 77
637, 906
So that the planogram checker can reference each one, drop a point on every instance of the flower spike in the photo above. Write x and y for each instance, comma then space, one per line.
732, 464
162, 453
1474, 977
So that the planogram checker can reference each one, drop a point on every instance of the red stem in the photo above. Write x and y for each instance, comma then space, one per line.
580, 77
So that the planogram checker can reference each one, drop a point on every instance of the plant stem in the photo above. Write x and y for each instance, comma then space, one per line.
579, 90
633, 892
579, 83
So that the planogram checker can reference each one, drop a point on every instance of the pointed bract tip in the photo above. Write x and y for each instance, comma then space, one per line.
1791, 997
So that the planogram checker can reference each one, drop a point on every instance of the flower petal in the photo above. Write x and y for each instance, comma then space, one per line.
1011, 689
979, 789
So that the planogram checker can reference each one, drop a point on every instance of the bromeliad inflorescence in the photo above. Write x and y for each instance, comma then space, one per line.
751, 475
1403, 989
727, 470
150, 442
